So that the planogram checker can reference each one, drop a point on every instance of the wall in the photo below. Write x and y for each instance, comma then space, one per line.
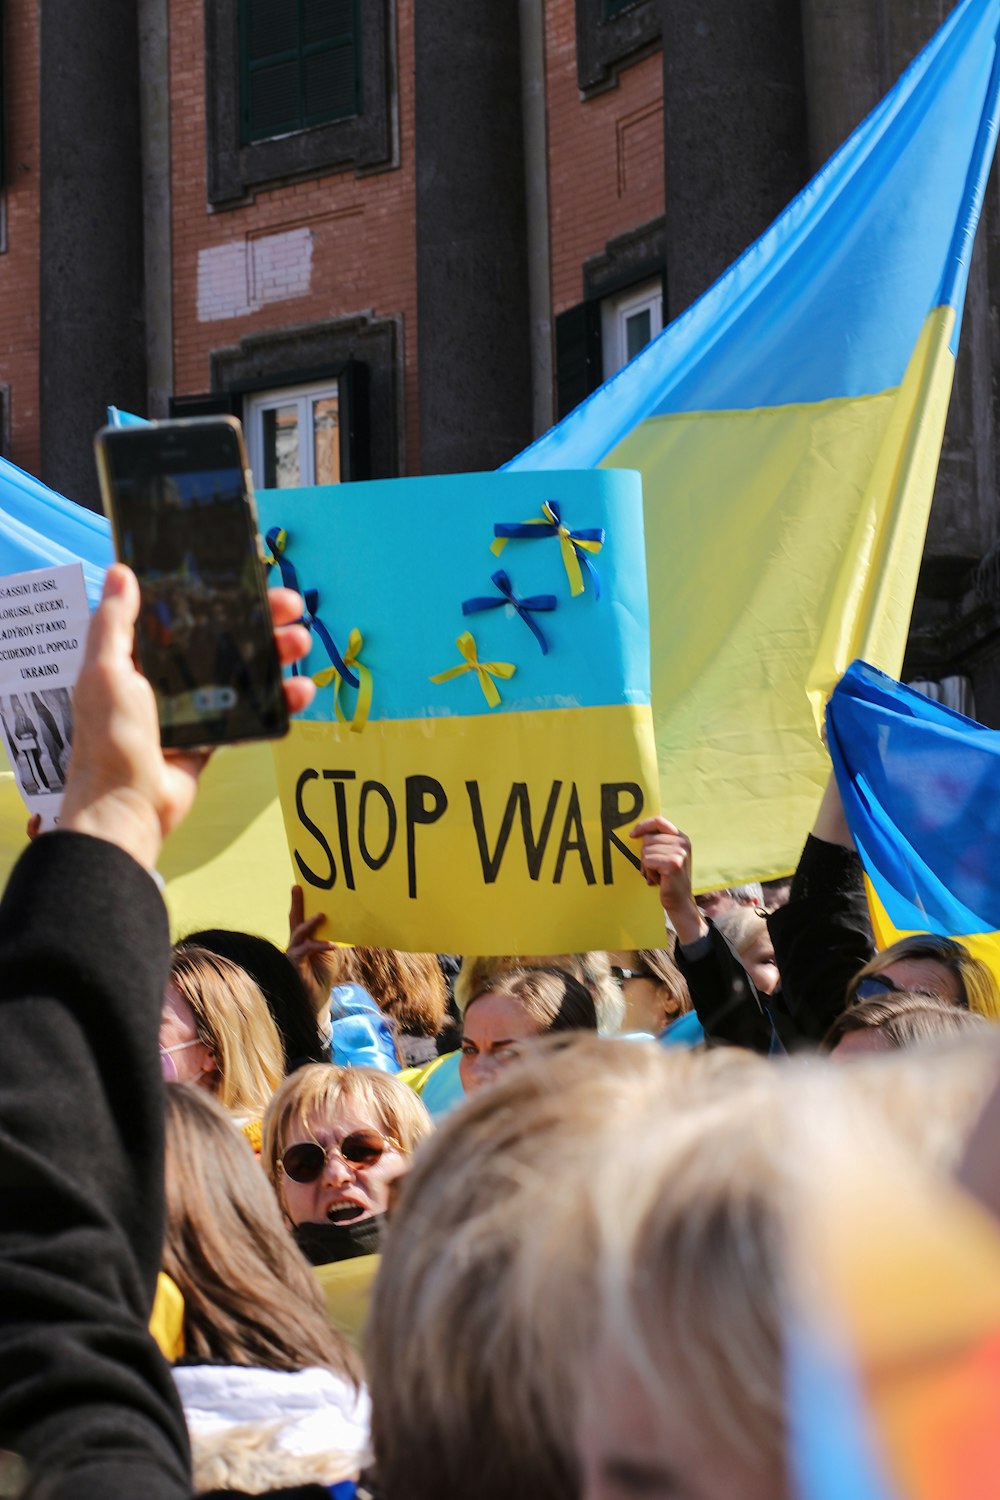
19, 259
316, 250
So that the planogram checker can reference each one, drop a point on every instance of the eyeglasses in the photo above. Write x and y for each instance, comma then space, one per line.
306, 1160
624, 975
877, 986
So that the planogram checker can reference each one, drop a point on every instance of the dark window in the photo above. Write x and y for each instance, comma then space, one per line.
300, 65
611, 34
296, 88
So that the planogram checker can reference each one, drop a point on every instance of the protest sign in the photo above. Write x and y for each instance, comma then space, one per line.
43, 629
481, 741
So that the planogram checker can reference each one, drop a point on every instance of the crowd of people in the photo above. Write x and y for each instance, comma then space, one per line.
527, 1226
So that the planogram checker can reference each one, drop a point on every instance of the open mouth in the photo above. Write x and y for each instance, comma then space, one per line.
344, 1213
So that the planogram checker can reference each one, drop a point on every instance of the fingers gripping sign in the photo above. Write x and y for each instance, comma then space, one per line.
666, 862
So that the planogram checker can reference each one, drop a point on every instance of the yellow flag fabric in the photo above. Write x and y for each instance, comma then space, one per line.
788, 428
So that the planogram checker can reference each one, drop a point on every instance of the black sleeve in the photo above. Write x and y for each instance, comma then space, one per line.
823, 936
723, 994
85, 1396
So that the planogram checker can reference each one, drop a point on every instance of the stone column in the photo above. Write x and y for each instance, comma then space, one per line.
92, 335
735, 133
473, 325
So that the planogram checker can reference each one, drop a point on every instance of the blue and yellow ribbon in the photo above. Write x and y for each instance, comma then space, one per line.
277, 541
362, 707
574, 544
312, 621
486, 670
507, 596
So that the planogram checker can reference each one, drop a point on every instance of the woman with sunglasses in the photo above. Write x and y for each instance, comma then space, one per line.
826, 950
334, 1142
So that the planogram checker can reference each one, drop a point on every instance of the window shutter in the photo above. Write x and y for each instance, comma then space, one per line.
300, 64
578, 355
213, 404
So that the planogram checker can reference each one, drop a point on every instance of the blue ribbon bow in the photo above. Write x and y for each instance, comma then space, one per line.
574, 544
312, 621
507, 596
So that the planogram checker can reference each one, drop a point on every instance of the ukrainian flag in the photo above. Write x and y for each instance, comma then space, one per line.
920, 786
788, 428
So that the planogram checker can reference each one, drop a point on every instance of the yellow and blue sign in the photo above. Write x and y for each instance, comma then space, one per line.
481, 740
788, 428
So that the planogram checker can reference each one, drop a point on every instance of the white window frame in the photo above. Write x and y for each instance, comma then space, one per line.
615, 312
301, 396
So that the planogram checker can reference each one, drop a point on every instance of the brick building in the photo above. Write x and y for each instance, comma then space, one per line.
402, 237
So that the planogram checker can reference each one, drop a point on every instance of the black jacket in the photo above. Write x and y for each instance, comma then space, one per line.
85, 1396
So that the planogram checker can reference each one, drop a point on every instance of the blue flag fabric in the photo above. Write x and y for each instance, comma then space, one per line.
921, 789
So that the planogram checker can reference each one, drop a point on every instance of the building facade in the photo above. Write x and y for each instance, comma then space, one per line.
404, 236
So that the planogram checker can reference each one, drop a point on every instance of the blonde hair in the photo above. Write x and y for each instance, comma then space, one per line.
321, 1090
742, 926
696, 1240
977, 986
659, 963
235, 1025
408, 987
250, 1297
483, 1306
591, 969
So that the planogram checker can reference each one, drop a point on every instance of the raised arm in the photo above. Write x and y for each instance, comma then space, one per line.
823, 936
85, 1396
722, 992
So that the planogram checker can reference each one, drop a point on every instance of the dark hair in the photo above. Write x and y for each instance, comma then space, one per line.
553, 998
274, 973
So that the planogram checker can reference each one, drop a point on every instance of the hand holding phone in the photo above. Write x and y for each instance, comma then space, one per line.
182, 514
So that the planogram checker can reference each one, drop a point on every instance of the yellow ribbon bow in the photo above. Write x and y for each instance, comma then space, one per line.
362, 707
568, 544
486, 670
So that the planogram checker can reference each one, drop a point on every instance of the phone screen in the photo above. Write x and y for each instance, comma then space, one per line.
183, 522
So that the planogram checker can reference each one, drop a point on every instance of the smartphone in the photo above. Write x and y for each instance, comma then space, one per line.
179, 498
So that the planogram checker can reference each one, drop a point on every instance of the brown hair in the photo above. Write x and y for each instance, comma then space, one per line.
553, 999
234, 1023
321, 1089
590, 969
408, 987
904, 1019
250, 1297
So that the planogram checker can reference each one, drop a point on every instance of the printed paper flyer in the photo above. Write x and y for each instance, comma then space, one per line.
43, 629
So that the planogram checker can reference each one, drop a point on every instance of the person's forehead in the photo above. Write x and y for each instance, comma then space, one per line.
331, 1125
177, 1010
924, 974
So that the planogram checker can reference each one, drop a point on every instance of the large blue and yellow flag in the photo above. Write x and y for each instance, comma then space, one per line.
920, 786
788, 428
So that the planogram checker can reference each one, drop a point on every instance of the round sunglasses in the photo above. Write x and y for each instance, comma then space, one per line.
306, 1160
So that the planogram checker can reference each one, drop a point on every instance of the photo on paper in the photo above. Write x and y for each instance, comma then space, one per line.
38, 732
